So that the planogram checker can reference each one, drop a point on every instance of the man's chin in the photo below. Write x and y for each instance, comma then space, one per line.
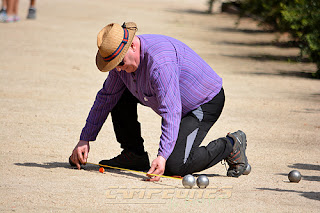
129, 70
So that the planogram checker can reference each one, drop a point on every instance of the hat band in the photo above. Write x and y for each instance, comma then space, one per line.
120, 47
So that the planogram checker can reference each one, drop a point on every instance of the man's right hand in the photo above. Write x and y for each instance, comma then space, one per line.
80, 153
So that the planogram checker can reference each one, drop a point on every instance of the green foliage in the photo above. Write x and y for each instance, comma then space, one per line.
301, 18
267, 11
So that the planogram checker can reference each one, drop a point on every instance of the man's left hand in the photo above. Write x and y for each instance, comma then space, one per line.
157, 167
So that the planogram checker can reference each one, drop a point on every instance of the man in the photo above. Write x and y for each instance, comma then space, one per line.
162, 73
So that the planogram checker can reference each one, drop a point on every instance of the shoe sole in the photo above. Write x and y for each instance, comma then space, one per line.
240, 135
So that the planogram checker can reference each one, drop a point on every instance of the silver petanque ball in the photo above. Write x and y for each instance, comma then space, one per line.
202, 181
248, 170
188, 181
294, 176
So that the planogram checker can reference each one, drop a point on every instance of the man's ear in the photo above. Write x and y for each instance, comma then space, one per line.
134, 45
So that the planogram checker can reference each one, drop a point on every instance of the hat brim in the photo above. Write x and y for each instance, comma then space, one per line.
104, 66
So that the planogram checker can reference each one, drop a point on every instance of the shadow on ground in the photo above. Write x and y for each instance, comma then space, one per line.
209, 175
47, 165
303, 177
52, 165
309, 110
297, 74
289, 59
305, 166
263, 44
266, 57
309, 195
241, 30
88, 167
188, 11
302, 166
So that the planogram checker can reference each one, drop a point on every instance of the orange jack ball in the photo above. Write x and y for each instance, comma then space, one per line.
101, 170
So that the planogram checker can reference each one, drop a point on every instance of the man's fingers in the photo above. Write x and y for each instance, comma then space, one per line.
85, 157
152, 177
78, 165
156, 172
71, 161
74, 159
157, 168
80, 156
155, 178
151, 170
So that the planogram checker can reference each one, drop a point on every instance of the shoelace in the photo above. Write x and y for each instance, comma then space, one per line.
223, 162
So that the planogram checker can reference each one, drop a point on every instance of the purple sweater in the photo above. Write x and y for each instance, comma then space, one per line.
171, 79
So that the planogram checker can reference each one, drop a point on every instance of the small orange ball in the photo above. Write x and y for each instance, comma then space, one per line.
101, 170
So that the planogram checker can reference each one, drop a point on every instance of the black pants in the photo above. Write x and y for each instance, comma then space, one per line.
188, 156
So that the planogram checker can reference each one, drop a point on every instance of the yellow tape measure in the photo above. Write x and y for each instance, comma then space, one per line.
112, 167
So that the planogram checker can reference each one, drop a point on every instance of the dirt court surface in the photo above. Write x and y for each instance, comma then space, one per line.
48, 82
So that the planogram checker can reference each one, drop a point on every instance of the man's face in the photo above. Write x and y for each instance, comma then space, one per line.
128, 64
131, 60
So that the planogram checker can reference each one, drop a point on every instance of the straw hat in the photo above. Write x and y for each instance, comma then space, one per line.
113, 42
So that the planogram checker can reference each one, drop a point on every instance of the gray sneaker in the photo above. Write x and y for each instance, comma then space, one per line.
3, 12
237, 160
3, 15
32, 13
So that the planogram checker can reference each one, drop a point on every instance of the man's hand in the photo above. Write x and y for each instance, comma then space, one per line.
157, 167
80, 153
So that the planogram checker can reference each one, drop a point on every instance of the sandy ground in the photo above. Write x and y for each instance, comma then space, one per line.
48, 82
